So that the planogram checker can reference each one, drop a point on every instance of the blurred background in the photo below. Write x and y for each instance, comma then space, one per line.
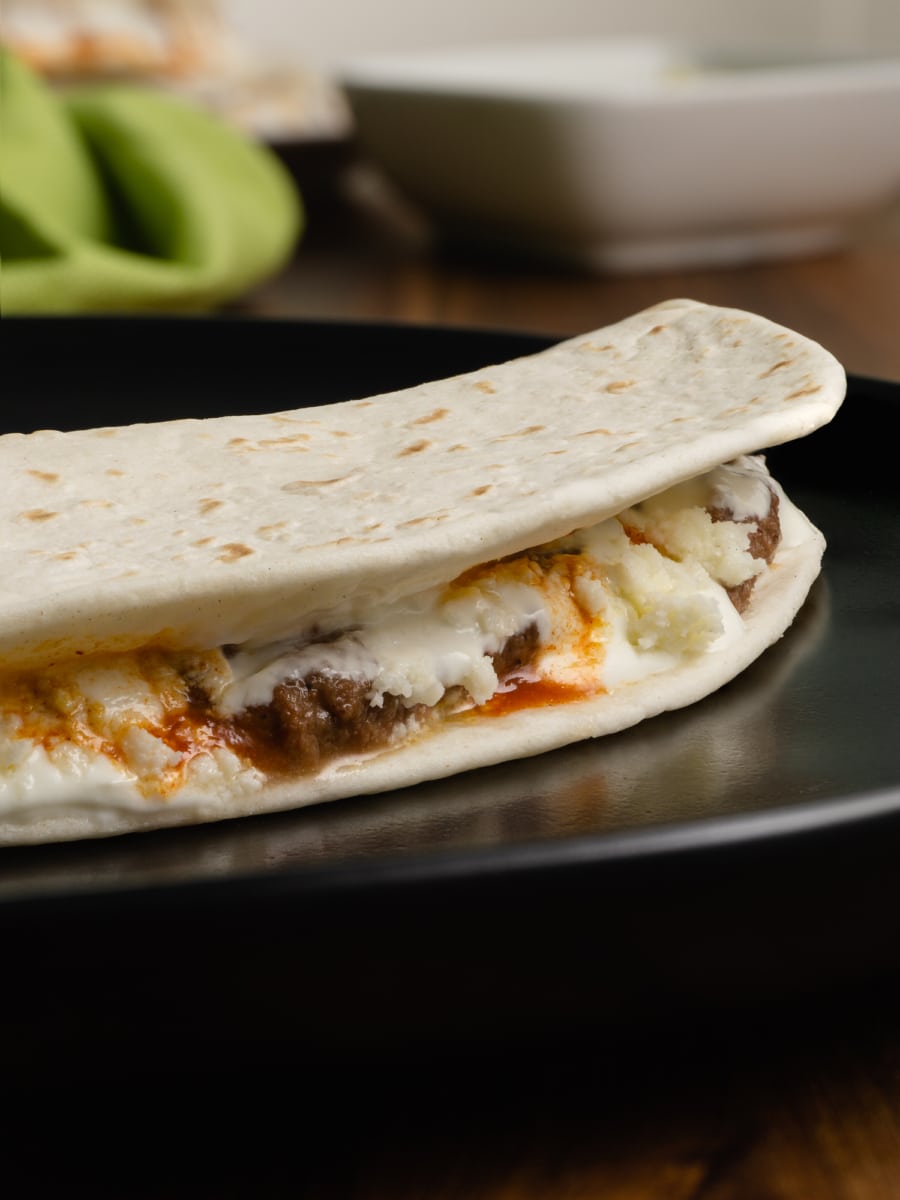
549, 167
326, 33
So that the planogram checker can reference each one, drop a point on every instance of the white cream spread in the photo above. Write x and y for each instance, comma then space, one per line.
638, 594
416, 649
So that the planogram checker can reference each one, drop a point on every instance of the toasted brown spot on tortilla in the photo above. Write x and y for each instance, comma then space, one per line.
238, 443
114, 471
440, 515
232, 551
300, 485
657, 329
432, 416
458, 446
480, 491
38, 514
65, 555
339, 433
484, 385
625, 446
46, 476
783, 362
290, 440
207, 505
328, 545
810, 391
268, 530
414, 448
203, 541
95, 504
591, 432
505, 437
596, 348
137, 521
621, 385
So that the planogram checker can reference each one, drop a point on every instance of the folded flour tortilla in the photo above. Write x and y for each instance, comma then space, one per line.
203, 619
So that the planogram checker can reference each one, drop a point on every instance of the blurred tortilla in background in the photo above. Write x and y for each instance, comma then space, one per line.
188, 47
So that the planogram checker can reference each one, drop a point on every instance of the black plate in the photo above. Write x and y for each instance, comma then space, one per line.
742, 850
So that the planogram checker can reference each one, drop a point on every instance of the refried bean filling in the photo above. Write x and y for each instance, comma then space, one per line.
322, 715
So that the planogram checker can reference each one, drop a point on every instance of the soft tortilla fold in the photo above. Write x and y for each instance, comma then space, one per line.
218, 548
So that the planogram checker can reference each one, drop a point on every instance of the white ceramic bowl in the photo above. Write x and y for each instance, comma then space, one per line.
629, 155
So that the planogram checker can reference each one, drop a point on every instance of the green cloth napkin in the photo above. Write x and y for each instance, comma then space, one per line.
119, 198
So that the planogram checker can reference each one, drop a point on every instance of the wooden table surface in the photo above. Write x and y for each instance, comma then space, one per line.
795, 1104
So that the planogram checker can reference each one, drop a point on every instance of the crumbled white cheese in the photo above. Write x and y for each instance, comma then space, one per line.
116, 695
14, 750
670, 605
219, 766
44, 777
677, 519
147, 755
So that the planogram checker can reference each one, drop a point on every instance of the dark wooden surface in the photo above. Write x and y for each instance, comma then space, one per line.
799, 1103
791, 1107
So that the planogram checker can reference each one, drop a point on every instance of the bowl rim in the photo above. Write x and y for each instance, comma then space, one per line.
670, 70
